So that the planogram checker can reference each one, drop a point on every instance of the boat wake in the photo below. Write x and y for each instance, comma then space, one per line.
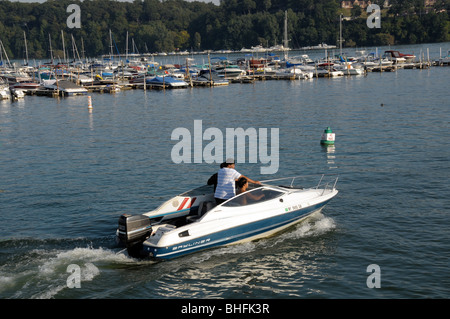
314, 225
42, 269
43, 273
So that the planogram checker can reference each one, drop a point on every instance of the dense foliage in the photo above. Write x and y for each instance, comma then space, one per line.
168, 25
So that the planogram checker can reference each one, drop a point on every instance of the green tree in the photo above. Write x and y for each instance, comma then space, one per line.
163, 25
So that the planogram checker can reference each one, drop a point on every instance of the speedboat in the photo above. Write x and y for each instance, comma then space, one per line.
348, 69
166, 82
444, 60
210, 77
295, 73
327, 70
191, 221
398, 57
17, 93
229, 71
25, 85
65, 87
4, 90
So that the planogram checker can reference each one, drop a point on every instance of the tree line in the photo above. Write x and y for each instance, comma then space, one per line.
171, 25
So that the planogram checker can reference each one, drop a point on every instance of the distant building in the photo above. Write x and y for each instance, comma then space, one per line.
350, 4
363, 4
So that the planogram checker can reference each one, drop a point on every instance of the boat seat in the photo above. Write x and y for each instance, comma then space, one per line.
202, 209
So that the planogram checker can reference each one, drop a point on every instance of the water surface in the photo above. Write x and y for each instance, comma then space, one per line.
68, 174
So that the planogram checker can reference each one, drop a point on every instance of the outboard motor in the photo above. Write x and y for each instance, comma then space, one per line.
133, 231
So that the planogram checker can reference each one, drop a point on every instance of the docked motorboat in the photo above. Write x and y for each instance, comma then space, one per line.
191, 221
230, 71
327, 70
4, 90
294, 73
64, 87
167, 82
4, 93
210, 77
444, 60
17, 94
398, 57
25, 86
348, 69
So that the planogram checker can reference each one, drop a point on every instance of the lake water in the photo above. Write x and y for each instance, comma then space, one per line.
67, 174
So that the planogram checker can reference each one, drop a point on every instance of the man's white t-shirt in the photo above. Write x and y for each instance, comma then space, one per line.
226, 178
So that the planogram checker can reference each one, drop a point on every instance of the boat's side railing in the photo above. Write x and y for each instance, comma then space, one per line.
324, 183
326, 186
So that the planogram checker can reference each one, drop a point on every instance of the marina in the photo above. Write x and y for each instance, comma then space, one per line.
111, 74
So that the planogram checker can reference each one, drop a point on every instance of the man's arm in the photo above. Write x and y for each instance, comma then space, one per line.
250, 180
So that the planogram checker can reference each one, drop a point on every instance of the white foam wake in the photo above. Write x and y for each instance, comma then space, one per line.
315, 225
42, 274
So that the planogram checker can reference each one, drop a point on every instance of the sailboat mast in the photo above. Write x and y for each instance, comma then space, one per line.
285, 41
82, 49
126, 48
74, 50
64, 48
2, 48
51, 50
111, 44
340, 35
26, 47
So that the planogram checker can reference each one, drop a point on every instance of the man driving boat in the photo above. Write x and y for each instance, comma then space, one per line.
226, 179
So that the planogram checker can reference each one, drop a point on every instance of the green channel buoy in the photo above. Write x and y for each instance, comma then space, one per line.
327, 137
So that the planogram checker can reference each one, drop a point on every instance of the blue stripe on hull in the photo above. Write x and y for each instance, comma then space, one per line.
231, 235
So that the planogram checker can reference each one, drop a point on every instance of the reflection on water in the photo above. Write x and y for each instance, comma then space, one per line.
330, 151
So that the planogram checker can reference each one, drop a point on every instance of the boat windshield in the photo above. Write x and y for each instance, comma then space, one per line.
202, 190
255, 196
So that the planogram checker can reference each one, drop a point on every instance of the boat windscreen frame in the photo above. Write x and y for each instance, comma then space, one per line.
252, 197
202, 190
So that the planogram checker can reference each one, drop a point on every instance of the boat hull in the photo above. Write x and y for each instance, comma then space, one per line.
242, 233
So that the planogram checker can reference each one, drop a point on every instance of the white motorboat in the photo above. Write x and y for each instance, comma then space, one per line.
65, 87
4, 90
296, 73
327, 70
4, 93
192, 222
210, 77
348, 69
230, 71
166, 82
398, 57
444, 60
25, 85
17, 93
